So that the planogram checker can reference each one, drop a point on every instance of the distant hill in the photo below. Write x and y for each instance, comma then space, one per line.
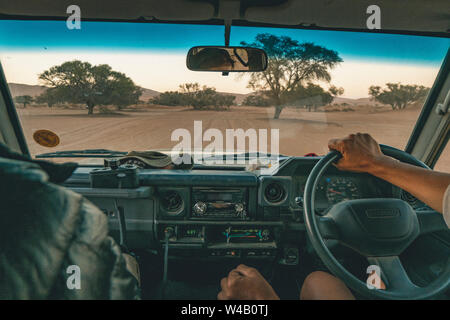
354, 102
239, 96
18, 89
147, 94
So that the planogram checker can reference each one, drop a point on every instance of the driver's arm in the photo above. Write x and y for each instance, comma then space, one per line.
361, 153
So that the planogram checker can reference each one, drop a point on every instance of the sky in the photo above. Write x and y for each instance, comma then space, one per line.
154, 55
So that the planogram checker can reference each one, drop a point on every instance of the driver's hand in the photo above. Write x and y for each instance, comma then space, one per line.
360, 152
245, 283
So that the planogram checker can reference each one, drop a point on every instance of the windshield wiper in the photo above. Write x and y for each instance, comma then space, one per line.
105, 153
247, 156
88, 153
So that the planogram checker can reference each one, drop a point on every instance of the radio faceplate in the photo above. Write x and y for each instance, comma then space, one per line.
219, 203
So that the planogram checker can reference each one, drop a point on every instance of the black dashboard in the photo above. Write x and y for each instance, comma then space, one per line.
217, 214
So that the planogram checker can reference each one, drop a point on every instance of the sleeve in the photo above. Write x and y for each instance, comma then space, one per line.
103, 270
446, 206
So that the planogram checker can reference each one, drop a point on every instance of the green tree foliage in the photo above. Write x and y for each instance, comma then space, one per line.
291, 65
335, 91
49, 97
24, 100
397, 95
310, 96
169, 98
81, 82
195, 96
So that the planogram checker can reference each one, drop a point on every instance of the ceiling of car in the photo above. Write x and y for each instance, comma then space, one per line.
417, 16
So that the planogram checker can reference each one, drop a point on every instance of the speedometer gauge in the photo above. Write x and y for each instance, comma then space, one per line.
341, 189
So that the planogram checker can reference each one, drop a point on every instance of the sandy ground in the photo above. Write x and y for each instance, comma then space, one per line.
300, 131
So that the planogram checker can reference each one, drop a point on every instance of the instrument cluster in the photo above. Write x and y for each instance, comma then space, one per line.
333, 189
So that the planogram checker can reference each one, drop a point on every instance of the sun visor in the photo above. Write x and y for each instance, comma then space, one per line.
399, 15
116, 10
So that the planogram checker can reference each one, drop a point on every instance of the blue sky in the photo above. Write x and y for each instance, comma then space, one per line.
154, 55
53, 35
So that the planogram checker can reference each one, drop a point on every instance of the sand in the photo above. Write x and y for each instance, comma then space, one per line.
150, 127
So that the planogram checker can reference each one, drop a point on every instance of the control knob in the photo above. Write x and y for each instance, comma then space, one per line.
239, 209
200, 208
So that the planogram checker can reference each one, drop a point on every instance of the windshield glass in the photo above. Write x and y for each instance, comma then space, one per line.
125, 86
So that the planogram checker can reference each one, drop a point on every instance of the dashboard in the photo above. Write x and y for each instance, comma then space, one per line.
217, 213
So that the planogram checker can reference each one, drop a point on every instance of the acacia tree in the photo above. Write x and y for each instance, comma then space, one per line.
310, 96
24, 99
397, 95
123, 91
49, 97
81, 82
335, 91
291, 64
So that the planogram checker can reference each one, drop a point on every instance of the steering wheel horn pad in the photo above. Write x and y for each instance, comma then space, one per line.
375, 227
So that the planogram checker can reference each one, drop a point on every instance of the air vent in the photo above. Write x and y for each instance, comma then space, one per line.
172, 201
274, 192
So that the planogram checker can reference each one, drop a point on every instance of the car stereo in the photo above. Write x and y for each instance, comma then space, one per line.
219, 203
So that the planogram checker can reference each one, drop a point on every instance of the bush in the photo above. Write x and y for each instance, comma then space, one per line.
256, 100
200, 98
169, 98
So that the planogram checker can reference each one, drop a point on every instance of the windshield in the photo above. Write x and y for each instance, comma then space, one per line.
125, 86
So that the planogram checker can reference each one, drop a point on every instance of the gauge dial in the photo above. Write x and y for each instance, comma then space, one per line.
341, 189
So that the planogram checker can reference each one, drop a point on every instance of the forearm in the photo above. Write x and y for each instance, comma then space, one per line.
426, 185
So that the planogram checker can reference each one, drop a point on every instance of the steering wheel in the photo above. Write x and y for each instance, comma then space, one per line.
379, 229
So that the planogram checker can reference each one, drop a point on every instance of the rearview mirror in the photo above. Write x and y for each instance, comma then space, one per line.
230, 59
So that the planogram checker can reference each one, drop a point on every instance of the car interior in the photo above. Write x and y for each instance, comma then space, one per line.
189, 226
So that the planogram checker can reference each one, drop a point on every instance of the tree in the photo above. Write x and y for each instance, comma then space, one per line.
193, 95
224, 100
397, 95
24, 99
290, 65
81, 82
310, 96
169, 98
49, 97
201, 98
123, 92
335, 91
257, 100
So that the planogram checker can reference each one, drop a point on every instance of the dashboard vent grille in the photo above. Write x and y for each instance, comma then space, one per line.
274, 192
171, 201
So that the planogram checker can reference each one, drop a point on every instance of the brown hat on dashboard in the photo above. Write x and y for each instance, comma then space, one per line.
152, 159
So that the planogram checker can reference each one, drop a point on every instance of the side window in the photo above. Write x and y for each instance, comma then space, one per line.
443, 163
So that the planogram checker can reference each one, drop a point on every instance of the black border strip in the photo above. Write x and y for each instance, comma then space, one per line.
12, 113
